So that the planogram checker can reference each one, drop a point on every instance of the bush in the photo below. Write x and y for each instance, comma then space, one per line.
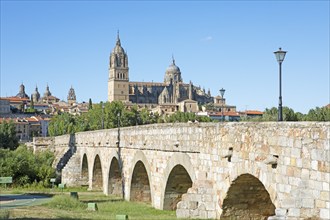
66, 202
4, 214
27, 168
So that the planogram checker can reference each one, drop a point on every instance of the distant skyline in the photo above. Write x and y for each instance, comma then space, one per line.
216, 44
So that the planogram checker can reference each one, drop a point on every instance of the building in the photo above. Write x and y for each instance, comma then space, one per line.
16, 103
4, 106
21, 93
171, 95
35, 96
22, 127
48, 97
72, 97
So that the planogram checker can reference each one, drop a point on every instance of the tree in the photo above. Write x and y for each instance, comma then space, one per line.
90, 104
272, 114
318, 114
8, 138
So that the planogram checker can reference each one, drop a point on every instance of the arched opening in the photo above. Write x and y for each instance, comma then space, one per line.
84, 171
115, 181
247, 198
140, 187
178, 183
97, 174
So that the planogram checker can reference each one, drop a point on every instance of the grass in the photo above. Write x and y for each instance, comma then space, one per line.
62, 206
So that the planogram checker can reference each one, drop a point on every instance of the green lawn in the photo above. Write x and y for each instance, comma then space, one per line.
62, 206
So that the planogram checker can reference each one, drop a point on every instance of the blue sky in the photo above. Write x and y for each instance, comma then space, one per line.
216, 44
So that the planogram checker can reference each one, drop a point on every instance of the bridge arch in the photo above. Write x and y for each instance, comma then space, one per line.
140, 182
84, 170
107, 158
178, 165
248, 198
97, 180
114, 185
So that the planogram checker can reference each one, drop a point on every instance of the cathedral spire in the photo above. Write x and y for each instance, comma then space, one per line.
173, 60
118, 39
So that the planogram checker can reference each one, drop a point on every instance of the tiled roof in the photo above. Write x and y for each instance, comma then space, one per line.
254, 112
15, 99
224, 114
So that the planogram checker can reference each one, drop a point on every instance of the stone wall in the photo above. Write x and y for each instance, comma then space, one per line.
43, 143
282, 166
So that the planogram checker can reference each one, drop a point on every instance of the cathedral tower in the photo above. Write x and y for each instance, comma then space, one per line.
71, 97
118, 82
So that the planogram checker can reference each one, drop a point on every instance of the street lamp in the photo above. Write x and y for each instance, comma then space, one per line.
280, 54
102, 115
222, 93
120, 161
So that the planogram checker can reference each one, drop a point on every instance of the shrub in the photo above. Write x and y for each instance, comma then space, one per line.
4, 214
66, 202
26, 167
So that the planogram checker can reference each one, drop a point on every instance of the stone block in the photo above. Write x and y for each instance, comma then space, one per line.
193, 205
280, 212
319, 154
325, 195
91, 206
288, 203
305, 174
182, 205
308, 203
320, 204
314, 164
207, 198
202, 214
210, 206
121, 217
299, 162
296, 152
325, 213
306, 193
285, 188
211, 214
182, 213
293, 212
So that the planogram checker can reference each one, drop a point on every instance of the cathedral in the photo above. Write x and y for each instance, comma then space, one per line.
164, 97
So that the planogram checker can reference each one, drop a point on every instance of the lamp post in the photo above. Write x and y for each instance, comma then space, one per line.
280, 54
102, 115
120, 159
222, 93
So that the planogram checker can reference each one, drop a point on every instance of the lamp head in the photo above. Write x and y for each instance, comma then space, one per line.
222, 92
280, 54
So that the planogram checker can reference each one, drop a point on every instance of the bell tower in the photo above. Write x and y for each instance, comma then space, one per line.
118, 82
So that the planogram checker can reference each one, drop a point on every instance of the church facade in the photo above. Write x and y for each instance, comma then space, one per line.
172, 94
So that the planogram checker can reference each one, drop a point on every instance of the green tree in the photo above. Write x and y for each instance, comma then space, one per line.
90, 104
272, 114
8, 139
318, 114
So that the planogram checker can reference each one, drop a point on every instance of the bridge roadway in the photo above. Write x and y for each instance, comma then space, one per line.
240, 170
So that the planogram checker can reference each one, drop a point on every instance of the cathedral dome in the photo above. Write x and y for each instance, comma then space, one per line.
172, 73
22, 93
36, 95
118, 49
173, 68
118, 57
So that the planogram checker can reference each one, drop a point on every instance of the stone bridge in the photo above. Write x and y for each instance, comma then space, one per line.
239, 170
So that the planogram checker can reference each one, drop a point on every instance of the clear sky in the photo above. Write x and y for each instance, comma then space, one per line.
216, 44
